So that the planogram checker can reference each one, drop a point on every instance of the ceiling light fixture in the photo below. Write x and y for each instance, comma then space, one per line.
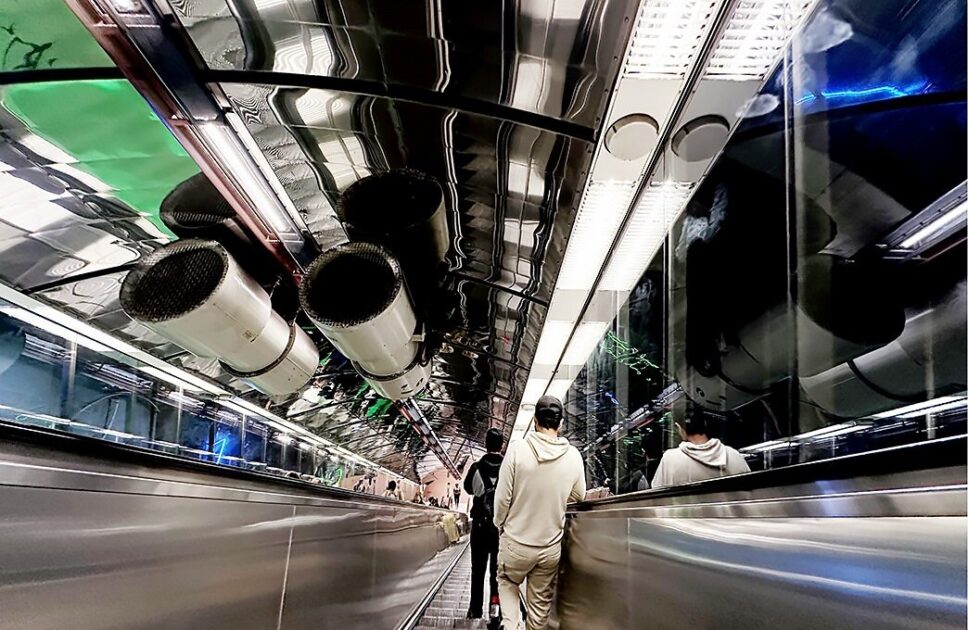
658, 207
666, 37
601, 211
227, 145
907, 409
755, 36
583, 342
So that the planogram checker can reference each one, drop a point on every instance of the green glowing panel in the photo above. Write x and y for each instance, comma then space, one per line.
44, 34
110, 132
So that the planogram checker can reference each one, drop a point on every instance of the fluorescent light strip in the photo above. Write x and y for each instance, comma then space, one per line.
940, 222
603, 206
900, 411
956, 404
231, 152
657, 208
32, 319
667, 35
583, 342
755, 36
554, 335
169, 378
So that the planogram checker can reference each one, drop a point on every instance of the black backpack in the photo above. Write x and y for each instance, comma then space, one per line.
485, 503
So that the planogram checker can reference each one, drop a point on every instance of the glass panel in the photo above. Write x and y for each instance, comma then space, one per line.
809, 301
877, 134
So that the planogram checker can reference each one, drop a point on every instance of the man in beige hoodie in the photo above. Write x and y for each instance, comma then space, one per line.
698, 457
539, 476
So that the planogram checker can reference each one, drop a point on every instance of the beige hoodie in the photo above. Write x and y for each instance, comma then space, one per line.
698, 462
539, 476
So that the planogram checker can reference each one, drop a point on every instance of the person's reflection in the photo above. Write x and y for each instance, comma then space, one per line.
698, 457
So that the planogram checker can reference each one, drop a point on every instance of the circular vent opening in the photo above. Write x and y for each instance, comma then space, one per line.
350, 285
195, 203
391, 201
173, 281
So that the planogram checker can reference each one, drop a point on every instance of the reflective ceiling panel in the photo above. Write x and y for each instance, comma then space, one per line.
500, 101
553, 58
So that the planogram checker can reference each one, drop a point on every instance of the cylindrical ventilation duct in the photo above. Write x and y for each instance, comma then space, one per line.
404, 211
196, 209
927, 360
195, 294
356, 295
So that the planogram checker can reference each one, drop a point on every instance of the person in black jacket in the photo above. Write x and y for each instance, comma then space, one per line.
480, 482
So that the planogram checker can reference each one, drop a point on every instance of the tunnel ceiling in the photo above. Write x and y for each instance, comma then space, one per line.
500, 101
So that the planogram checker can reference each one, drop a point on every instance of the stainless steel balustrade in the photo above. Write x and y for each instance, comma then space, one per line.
146, 541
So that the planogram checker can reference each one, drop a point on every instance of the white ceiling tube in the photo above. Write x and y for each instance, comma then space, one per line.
673, 42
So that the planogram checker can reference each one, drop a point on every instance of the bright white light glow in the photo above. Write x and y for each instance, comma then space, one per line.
586, 338
554, 336
754, 37
228, 148
834, 429
667, 35
559, 388
602, 208
955, 214
934, 402
168, 378
534, 390
32, 319
657, 208
955, 404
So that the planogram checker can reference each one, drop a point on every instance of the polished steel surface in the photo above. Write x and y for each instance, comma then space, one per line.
103, 545
552, 58
881, 552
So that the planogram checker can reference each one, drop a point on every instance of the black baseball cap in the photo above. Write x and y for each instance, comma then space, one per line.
548, 406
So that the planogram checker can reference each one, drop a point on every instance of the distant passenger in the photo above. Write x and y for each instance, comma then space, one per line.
698, 457
392, 492
539, 476
638, 481
481, 483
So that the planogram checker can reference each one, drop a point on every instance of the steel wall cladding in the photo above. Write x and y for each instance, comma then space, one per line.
869, 553
90, 544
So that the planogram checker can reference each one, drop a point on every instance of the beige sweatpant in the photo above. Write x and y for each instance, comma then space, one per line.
538, 566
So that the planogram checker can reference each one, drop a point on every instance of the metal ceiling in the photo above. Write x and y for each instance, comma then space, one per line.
502, 102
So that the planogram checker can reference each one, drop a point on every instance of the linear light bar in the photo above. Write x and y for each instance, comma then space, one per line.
602, 207
554, 335
832, 429
583, 342
908, 409
169, 378
939, 223
32, 319
955, 404
754, 37
657, 208
667, 35
228, 145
